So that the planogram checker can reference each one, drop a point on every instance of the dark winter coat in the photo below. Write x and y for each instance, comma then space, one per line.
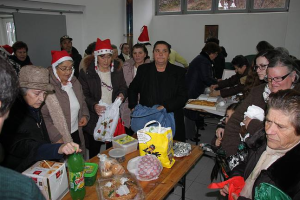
76, 58
21, 63
199, 75
219, 63
91, 86
284, 173
121, 57
173, 90
25, 139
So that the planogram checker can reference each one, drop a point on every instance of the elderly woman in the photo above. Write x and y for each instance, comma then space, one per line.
70, 97
275, 151
139, 57
24, 135
281, 75
20, 54
161, 83
103, 80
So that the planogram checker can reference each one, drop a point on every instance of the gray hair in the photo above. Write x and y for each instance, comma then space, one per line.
23, 91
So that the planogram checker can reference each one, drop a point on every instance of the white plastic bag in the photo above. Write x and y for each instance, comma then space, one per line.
108, 121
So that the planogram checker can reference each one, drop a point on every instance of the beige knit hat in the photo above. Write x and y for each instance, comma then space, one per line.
35, 77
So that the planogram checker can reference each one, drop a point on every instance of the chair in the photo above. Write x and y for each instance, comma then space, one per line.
250, 58
228, 65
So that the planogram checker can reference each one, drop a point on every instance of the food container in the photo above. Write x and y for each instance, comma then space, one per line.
118, 154
90, 173
119, 187
126, 142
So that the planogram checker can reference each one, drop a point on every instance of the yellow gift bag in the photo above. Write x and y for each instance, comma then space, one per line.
158, 141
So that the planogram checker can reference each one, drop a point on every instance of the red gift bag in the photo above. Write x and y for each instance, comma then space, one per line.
120, 129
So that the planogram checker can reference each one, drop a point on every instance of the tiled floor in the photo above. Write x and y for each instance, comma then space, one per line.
198, 178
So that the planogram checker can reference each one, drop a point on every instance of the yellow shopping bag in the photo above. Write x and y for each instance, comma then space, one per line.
158, 141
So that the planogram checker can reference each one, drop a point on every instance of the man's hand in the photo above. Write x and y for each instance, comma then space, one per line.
69, 148
220, 132
214, 93
83, 121
160, 107
213, 87
99, 109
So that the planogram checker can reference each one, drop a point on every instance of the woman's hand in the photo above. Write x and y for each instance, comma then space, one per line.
83, 121
218, 142
69, 148
219, 132
121, 96
224, 190
99, 109
246, 121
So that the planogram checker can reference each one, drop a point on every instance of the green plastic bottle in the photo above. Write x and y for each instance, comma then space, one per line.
76, 176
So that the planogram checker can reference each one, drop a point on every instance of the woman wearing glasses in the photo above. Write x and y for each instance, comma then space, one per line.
281, 74
257, 73
101, 79
69, 94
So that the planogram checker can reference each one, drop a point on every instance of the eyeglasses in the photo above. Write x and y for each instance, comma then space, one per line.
260, 67
66, 69
276, 79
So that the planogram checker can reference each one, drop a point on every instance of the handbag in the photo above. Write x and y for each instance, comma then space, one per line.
143, 114
107, 122
158, 141
120, 129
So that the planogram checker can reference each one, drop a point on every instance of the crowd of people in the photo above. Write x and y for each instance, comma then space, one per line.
52, 112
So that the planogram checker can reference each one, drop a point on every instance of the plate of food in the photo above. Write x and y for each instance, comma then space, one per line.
119, 187
201, 104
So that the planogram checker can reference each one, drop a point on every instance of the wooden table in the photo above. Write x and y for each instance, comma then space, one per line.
159, 188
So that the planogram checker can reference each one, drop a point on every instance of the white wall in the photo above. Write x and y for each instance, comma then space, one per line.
238, 33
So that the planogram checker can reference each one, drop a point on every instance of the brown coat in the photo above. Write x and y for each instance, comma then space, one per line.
63, 99
91, 85
231, 138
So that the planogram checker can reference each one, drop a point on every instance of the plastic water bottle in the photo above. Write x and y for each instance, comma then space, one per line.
76, 176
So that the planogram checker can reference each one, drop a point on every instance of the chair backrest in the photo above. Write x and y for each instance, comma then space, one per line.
250, 58
228, 65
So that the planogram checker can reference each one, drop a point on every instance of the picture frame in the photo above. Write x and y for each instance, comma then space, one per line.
211, 31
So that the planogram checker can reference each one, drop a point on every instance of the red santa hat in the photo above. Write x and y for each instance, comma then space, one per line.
7, 48
102, 47
144, 37
57, 58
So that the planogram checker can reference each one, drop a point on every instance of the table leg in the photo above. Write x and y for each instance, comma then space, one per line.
182, 183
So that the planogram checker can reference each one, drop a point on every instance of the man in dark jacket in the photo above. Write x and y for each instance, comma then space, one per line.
66, 44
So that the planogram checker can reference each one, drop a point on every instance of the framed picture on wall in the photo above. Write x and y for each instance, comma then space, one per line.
211, 31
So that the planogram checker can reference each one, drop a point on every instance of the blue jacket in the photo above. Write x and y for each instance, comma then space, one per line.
143, 114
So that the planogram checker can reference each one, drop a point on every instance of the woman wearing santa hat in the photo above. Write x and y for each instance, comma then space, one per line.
102, 80
69, 94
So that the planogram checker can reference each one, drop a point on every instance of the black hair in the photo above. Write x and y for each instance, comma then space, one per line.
19, 45
232, 106
211, 47
263, 46
212, 39
9, 85
162, 42
90, 49
122, 46
240, 61
140, 46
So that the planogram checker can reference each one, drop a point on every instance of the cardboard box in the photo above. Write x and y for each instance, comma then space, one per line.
50, 177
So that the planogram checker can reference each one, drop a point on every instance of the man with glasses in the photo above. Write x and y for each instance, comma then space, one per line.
66, 44
281, 74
